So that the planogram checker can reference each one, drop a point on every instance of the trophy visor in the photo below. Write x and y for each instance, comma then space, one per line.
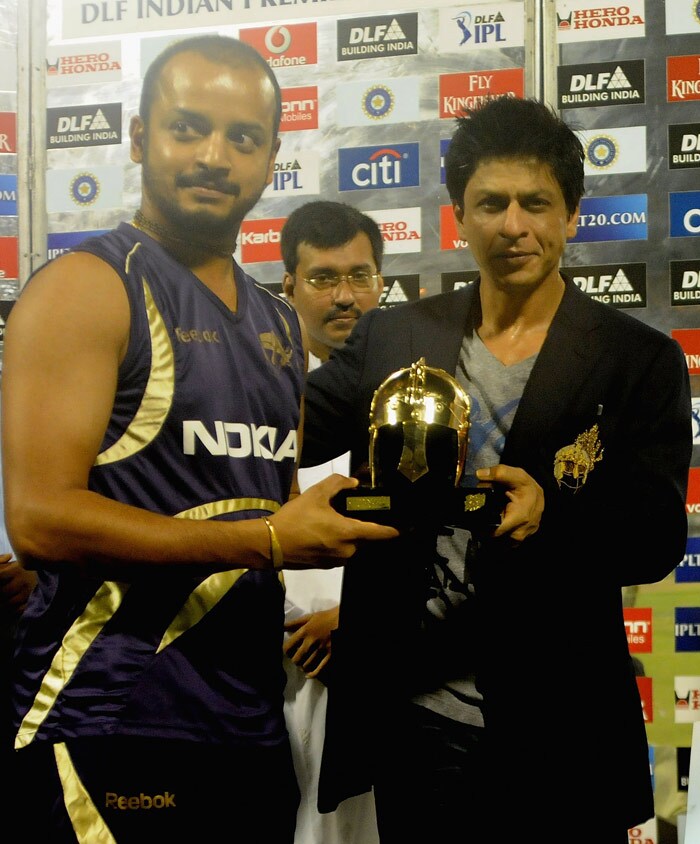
425, 411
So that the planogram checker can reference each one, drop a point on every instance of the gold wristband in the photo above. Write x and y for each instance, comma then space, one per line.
276, 553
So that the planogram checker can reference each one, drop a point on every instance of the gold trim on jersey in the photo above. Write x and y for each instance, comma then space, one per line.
79, 636
87, 822
106, 601
158, 395
211, 590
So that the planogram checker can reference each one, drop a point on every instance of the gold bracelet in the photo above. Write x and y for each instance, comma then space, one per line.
276, 553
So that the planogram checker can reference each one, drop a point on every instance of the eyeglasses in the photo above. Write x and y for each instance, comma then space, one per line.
360, 281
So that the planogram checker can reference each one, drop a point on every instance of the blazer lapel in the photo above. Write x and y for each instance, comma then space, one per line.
563, 365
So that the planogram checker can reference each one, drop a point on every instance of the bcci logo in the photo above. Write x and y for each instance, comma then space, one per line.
84, 189
602, 152
377, 102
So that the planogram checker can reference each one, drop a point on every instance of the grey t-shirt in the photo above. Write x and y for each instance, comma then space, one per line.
495, 391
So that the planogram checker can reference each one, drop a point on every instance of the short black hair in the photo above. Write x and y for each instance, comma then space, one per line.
324, 225
511, 127
216, 48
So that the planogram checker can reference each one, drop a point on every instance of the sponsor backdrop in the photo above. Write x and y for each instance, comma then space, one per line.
369, 101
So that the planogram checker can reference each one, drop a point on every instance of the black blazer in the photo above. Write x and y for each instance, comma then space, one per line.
549, 639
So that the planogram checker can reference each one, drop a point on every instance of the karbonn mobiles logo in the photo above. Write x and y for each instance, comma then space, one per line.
607, 83
299, 108
368, 38
395, 166
623, 286
683, 145
237, 439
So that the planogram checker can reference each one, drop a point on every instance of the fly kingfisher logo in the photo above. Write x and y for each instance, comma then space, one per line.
377, 37
379, 167
619, 285
689, 341
682, 78
601, 84
460, 91
288, 45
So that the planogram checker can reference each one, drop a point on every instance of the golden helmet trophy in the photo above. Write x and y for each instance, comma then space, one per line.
418, 442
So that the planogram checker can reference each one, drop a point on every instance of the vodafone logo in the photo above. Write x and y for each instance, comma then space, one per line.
288, 45
278, 39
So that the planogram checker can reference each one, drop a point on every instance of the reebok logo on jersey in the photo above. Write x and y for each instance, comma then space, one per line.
139, 801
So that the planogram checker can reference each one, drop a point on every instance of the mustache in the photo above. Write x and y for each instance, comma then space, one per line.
336, 312
208, 182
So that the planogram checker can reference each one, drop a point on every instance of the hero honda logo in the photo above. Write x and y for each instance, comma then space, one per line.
361, 168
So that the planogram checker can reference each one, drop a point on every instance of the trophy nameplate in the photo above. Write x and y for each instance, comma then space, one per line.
419, 431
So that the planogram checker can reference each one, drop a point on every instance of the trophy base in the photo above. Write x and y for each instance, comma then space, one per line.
476, 508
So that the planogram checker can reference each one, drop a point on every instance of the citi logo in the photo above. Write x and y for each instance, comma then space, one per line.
361, 168
239, 440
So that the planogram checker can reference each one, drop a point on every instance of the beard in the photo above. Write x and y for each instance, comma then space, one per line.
200, 224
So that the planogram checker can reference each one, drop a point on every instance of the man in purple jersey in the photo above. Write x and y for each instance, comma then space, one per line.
152, 403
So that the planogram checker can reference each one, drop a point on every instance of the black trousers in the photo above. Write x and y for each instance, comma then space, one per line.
139, 791
430, 783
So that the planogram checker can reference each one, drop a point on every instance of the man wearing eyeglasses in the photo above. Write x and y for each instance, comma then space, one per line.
332, 257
